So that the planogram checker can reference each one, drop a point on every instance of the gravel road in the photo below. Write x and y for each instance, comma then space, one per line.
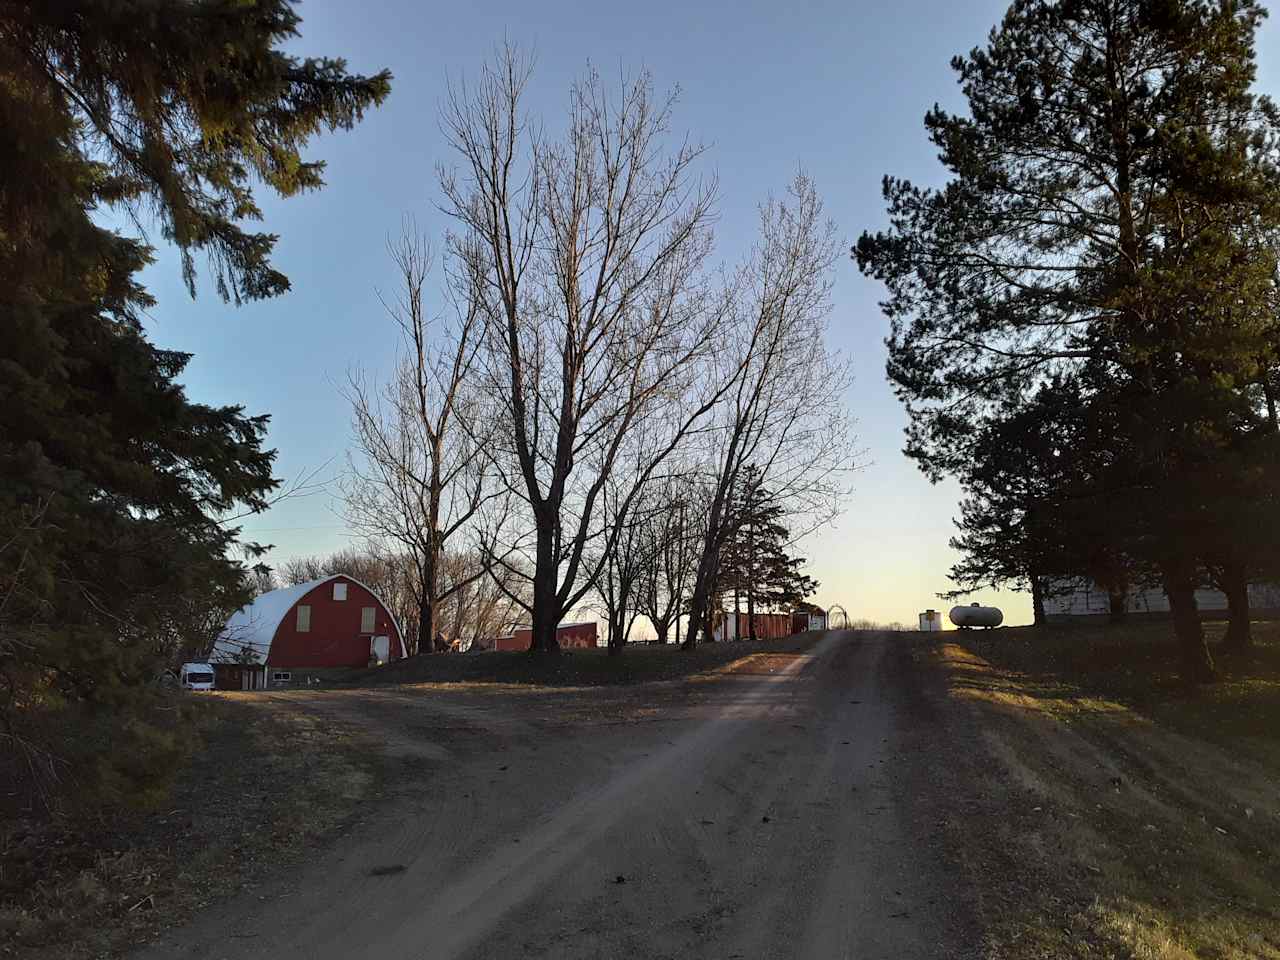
770, 813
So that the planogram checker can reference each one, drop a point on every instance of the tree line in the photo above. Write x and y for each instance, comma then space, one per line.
582, 390
1084, 316
120, 497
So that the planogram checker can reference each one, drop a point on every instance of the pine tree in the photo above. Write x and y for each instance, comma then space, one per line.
1110, 219
112, 482
754, 562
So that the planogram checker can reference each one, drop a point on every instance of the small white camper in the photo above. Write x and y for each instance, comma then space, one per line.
196, 676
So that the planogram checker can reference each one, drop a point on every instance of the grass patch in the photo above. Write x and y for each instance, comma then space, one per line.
1107, 809
1136, 665
258, 786
639, 663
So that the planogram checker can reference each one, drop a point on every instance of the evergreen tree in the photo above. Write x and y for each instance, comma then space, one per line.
112, 482
754, 562
1110, 219
1030, 518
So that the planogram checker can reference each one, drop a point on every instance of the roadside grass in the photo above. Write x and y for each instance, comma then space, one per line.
259, 786
1136, 665
638, 663
1113, 811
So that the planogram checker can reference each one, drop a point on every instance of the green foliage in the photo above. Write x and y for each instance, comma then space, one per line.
754, 561
113, 483
172, 109
1109, 231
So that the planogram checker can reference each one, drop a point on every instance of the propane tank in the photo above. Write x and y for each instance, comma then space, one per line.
976, 615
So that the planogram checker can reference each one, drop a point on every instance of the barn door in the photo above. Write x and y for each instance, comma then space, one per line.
382, 649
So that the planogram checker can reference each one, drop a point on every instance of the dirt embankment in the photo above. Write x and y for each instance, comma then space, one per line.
1091, 828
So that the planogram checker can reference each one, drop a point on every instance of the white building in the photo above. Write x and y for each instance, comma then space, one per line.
1083, 598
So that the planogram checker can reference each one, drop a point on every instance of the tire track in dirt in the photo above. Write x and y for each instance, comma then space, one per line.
759, 823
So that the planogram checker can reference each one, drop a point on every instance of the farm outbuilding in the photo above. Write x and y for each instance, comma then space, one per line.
768, 626
814, 618
572, 636
1068, 600
333, 622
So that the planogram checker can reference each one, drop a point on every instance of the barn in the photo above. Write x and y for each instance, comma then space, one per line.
333, 622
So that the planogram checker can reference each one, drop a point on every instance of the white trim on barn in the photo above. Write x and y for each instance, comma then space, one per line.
254, 625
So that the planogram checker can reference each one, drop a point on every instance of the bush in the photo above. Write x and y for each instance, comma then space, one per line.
75, 756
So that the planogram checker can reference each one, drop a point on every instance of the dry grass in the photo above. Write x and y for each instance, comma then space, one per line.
638, 663
1111, 811
262, 785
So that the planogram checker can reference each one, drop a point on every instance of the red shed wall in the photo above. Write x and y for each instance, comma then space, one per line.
769, 626
578, 636
334, 639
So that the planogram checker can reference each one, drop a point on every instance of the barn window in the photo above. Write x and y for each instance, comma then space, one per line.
366, 619
339, 591
304, 618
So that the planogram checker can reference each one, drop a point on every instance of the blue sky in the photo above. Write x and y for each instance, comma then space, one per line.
839, 89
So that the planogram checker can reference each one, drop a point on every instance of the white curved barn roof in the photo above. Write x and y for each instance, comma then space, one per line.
254, 625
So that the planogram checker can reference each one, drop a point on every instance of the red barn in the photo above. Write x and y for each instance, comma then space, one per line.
334, 622
572, 636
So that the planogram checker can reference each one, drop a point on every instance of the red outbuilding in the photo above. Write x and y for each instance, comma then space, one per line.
572, 636
334, 622
769, 626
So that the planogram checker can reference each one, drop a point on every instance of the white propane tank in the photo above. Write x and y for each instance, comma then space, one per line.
976, 616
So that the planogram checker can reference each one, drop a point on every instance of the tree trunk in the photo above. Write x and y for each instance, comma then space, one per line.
697, 607
751, 584
700, 601
691, 637
426, 622
619, 630
1180, 587
546, 604
1269, 393
1236, 586
737, 612
1037, 601
1117, 605
662, 628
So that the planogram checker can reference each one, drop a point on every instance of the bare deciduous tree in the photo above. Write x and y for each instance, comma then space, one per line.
419, 476
668, 535
622, 562
482, 608
587, 254
785, 413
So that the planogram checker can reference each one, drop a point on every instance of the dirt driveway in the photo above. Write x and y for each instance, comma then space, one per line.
766, 813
